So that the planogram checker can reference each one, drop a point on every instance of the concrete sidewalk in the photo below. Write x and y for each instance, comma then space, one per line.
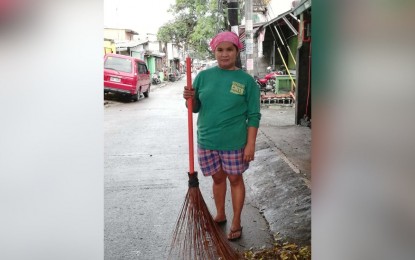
292, 142
278, 182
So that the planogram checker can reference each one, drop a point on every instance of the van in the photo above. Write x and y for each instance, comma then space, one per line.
126, 75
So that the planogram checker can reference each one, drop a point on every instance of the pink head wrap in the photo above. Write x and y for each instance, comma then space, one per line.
225, 37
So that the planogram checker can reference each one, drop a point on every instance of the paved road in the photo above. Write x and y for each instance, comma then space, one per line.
146, 161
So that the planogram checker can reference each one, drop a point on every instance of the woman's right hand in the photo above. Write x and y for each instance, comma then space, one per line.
188, 93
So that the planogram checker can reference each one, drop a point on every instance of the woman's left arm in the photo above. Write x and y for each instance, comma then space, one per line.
253, 118
249, 151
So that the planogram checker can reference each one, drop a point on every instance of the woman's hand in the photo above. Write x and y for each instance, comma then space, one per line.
188, 93
249, 152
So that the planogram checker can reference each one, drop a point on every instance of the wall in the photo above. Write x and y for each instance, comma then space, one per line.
170, 51
175, 52
137, 54
303, 77
115, 34
151, 64
265, 61
292, 43
154, 46
129, 36
109, 47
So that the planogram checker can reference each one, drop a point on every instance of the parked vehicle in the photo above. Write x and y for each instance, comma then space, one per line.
267, 83
126, 75
264, 85
155, 79
175, 75
172, 77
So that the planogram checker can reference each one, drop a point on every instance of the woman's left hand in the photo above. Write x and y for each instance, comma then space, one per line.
249, 153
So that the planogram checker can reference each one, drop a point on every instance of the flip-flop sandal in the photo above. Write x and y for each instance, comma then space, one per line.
222, 222
231, 235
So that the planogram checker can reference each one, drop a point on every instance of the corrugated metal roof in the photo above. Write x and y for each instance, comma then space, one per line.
259, 26
277, 18
123, 29
301, 7
155, 53
129, 44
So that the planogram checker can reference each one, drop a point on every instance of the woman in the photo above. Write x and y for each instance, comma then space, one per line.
227, 100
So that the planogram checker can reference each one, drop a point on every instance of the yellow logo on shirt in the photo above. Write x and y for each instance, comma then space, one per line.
237, 88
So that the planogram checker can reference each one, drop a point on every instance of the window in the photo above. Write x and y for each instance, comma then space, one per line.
142, 69
118, 64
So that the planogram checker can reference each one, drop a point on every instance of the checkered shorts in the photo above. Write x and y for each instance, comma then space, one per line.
232, 162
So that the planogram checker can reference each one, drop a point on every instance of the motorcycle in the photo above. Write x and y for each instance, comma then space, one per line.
174, 75
267, 84
155, 79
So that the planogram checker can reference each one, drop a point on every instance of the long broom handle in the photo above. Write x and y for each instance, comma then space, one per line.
190, 115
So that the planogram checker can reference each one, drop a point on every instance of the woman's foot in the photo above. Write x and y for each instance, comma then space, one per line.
220, 221
235, 234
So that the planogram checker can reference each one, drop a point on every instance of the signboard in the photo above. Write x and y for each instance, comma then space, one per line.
250, 64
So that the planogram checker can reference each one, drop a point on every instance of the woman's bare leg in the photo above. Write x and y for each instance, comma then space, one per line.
219, 194
238, 199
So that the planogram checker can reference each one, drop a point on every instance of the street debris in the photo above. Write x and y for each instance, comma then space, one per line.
280, 251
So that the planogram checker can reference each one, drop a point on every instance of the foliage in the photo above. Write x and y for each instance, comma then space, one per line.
194, 24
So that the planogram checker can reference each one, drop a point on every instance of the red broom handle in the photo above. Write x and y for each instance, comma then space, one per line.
190, 115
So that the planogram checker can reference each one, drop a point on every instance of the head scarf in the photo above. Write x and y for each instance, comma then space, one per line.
225, 37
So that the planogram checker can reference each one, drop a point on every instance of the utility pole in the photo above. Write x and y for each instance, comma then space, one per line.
249, 39
233, 8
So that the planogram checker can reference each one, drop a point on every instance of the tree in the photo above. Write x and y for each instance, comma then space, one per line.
194, 24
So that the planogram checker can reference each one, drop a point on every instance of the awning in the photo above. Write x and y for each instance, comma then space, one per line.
301, 7
155, 54
283, 17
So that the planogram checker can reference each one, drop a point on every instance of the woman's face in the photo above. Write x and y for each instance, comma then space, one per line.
225, 54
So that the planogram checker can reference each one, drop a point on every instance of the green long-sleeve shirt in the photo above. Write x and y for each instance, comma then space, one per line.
228, 103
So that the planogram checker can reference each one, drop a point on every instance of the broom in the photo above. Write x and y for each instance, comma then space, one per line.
196, 235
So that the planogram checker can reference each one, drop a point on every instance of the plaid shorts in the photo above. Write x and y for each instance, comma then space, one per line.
232, 162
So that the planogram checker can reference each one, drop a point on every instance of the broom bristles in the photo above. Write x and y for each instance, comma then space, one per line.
196, 235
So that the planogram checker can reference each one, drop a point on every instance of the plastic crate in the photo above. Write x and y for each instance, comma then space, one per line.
283, 84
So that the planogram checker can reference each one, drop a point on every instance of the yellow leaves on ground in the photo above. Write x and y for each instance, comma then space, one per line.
285, 251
